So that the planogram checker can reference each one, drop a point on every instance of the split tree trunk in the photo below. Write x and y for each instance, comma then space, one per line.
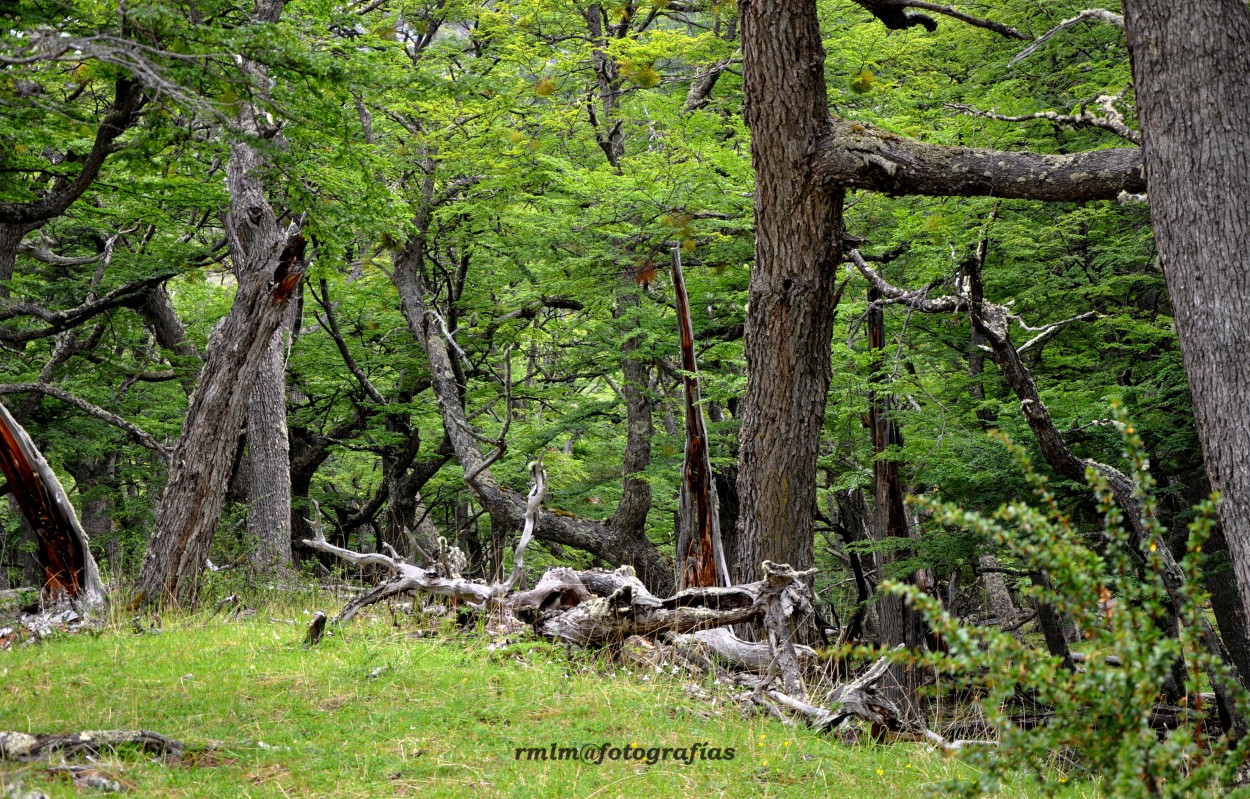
267, 265
700, 551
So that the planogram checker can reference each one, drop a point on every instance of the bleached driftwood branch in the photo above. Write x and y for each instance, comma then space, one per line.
407, 578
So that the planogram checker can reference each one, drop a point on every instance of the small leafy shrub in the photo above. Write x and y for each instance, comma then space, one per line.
1101, 713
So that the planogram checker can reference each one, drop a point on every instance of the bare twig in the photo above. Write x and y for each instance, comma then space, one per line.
1100, 14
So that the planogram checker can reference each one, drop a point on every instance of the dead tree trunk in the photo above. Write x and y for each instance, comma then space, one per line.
69, 570
268, 264
700, 552
899, 623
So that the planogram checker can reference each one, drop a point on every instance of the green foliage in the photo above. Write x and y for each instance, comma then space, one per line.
1113, 589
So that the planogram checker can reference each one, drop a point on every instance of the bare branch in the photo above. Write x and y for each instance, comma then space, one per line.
1113, 122
538, 490
1099, 14
1045, 331
137, 433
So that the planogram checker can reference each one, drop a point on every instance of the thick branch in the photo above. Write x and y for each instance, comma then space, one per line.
59, 321
859, 156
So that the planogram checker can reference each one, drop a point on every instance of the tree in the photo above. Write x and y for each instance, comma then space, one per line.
804, 161
1191, 65
269, 261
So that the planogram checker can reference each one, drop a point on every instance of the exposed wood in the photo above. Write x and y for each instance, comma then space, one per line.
700, 551
63, 552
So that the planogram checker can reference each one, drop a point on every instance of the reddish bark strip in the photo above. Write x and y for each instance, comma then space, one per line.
68, 568
700, 553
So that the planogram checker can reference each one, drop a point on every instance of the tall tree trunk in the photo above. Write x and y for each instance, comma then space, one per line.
631, 512
269, 509
267, 265
1191, 63
789, 320
899, 623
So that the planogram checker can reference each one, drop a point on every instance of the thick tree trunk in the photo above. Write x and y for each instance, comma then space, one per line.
789, 319
269, 509
1190, 68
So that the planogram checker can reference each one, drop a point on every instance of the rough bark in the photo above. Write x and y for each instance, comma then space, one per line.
855, 155
269, 508
268, 262
1190, 67
789, 320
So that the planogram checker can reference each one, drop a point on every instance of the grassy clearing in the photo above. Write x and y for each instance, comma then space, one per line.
373, 711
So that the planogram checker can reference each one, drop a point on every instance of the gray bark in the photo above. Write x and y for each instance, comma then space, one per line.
266, 261
269, 509
1190, 68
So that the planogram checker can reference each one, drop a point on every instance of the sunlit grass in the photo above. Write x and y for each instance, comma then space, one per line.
373, 711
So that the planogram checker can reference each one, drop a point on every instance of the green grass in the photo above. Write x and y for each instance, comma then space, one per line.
443, 718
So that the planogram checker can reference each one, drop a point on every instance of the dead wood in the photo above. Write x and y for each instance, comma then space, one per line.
700, 550
408, 578
25, 747
721, 646
69, 570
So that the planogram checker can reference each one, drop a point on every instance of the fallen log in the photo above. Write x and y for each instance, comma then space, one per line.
732, 652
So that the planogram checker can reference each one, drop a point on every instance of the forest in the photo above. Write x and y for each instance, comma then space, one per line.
881, 360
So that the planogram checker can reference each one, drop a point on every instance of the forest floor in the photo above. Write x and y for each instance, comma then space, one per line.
377, 709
